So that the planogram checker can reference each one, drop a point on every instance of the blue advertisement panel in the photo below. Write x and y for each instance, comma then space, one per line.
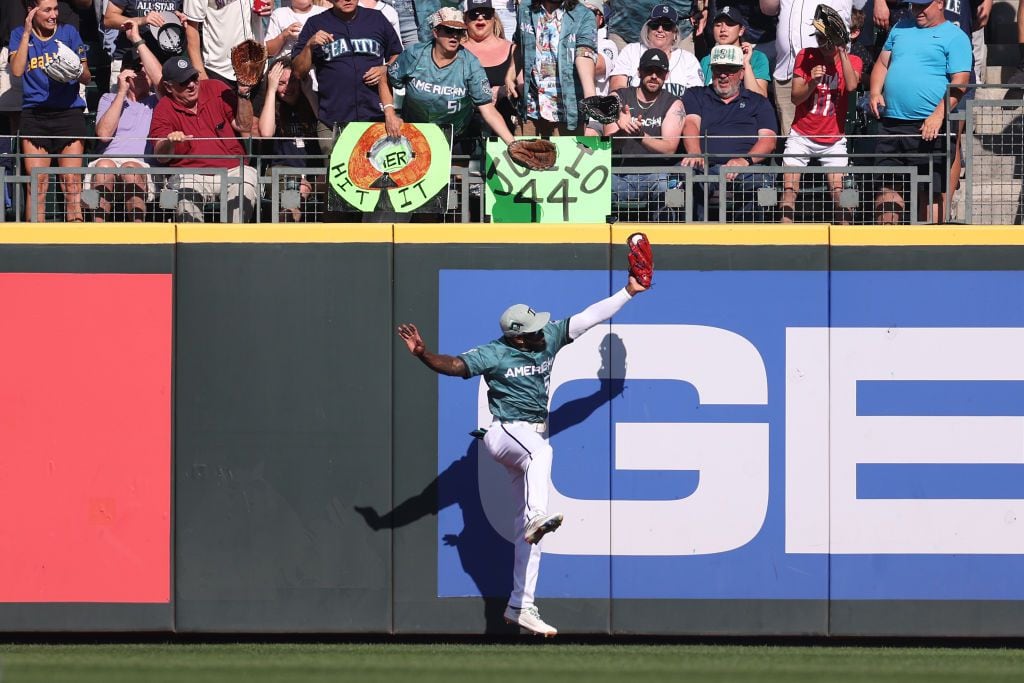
756, 435
673, 483
927, 435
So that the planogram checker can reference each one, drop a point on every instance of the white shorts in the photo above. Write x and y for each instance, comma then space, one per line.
800, 150
118, 163
10, 86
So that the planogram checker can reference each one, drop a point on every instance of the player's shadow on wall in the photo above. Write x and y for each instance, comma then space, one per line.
485, 556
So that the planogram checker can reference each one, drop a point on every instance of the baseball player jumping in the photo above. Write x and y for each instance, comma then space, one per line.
517, 369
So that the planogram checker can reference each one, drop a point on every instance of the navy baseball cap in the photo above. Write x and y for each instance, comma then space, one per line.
178, 70
732, 13
521, 319
663, 12
654, 58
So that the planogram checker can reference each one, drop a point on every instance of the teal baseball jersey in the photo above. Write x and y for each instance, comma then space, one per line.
518, 380
441, 95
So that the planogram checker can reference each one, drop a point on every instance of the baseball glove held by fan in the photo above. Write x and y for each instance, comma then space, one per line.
66, 66
537, 155
829, 23
641, 258
601, 108
248, 59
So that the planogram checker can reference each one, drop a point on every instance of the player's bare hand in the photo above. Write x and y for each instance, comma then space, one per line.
178, 136
155, 19
818, 72
411, 336
633, 287
28, 20
510, 88
293, 30
747, 50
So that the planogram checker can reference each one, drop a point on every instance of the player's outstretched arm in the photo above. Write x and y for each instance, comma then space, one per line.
604, 309
453, 366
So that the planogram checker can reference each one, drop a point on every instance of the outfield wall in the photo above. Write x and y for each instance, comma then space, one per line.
799, 430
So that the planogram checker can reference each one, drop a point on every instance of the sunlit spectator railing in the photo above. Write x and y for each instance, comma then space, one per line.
646, 191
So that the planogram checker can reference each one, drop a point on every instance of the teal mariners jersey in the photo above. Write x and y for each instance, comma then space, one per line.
517, 380
441, 95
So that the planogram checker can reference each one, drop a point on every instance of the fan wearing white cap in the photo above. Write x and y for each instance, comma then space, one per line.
517, 369
444, 82
728, 128
662, 32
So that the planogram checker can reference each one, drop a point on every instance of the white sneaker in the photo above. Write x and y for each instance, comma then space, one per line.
529, 618
540, 525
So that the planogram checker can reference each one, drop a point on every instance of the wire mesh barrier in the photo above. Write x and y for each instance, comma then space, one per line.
659, 189
993, 146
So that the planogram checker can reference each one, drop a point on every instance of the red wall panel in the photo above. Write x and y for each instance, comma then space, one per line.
85, 437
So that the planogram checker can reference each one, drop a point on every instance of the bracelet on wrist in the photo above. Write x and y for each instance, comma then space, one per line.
388, 105
138, 42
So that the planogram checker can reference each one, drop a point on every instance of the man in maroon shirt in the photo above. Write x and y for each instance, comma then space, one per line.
195, 122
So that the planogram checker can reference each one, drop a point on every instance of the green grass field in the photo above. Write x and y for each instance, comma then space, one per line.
418, 663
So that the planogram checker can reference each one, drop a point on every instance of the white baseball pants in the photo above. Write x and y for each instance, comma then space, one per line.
522, 447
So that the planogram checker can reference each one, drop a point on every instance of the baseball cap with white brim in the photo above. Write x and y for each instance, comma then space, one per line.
726, 55
448, 16
521, 319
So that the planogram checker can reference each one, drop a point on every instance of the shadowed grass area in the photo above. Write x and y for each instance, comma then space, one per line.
426, 663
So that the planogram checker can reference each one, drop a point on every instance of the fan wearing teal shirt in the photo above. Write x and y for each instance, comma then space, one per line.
444, 83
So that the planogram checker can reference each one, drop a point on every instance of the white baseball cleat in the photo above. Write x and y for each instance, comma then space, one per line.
529, 618
540, 525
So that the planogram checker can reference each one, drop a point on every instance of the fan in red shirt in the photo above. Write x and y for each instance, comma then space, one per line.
194, 124
823, 79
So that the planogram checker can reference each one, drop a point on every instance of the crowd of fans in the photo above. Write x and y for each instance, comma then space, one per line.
715, 85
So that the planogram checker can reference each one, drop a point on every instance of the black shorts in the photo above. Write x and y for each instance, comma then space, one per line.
902, 138
52, 129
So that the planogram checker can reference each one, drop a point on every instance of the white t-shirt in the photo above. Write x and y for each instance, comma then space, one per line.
610, 52
683, 67
226, 23
391, 14
283, 17
794, 31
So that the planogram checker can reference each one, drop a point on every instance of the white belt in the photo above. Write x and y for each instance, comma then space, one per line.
539, 427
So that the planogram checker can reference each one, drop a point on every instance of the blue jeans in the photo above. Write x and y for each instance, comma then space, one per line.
644, 188
741, 203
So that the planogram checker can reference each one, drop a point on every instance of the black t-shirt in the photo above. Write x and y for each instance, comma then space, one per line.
629, 150
140, 8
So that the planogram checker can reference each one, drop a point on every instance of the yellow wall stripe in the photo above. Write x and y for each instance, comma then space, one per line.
926, 235
501, 233
509, 233
727, 235
87, 233
304, 233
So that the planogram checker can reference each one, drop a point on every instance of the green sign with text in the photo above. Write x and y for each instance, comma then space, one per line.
577, 189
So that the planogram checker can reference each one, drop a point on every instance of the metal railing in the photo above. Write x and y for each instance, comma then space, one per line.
646, 190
